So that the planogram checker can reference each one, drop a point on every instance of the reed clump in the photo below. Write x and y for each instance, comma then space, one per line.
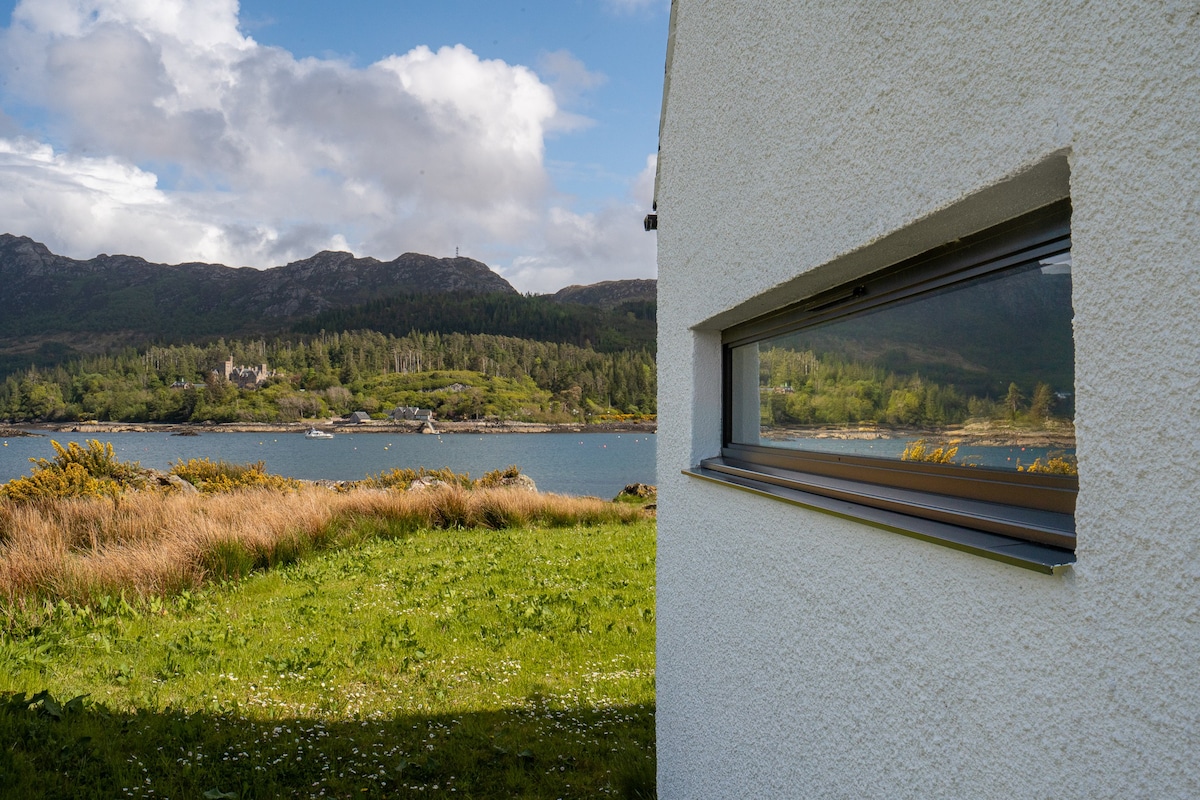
451, 506
156, 544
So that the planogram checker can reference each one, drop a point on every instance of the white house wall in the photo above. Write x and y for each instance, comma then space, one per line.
807, 656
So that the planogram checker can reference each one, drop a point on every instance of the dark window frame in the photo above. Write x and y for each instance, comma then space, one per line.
1020, 518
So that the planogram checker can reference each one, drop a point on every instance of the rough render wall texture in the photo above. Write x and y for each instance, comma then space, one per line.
803, 655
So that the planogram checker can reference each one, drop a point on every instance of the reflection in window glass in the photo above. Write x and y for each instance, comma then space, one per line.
978, 374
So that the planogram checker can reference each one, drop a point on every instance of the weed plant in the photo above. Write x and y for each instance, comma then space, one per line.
458, 662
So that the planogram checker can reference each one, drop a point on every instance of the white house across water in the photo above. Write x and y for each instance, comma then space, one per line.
905, 249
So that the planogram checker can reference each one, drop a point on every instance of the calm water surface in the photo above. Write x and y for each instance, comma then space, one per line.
599, 464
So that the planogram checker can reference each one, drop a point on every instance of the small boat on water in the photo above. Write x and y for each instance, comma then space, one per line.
313, 433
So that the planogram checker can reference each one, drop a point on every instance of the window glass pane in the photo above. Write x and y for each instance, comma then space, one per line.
978, 374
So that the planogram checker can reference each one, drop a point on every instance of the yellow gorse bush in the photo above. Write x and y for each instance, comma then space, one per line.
98, 459
1054, 465
75, 471
920, 451
402, 478
497, 477
212, 477
46, 484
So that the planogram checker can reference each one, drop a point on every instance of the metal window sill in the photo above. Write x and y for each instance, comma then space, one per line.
1016, 552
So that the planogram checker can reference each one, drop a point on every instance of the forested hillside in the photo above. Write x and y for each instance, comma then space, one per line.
520, 316
58, 309
458, 376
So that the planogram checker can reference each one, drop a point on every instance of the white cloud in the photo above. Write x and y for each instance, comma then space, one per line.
571, 80
610, 244
84, 204
266, 158
643, 186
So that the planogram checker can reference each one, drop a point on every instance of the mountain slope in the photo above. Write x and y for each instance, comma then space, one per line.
47, 293
535, 317
609, 294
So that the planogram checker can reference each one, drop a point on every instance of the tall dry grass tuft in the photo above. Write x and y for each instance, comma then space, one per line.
455, 507
81, 549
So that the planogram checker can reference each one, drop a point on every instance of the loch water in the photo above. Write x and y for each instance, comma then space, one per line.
989, 456
597, 464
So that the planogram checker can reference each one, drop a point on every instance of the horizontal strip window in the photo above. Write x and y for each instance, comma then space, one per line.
940, 389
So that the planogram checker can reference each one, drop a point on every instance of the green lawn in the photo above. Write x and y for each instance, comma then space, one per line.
477, 663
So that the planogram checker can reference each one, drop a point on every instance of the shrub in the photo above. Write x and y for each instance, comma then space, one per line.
1054, 465
389, 479
499, 477
49, 484
98, 458
404, 478
919, 451
211, 477
75, 471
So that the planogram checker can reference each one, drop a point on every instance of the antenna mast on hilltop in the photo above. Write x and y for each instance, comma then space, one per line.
456, 251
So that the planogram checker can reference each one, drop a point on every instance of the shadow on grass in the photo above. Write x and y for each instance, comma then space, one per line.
72, 749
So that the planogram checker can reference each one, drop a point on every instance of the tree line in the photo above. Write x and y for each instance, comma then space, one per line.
632, 325
458, 376
800, 388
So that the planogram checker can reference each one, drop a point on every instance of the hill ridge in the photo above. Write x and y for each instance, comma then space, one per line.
47, 293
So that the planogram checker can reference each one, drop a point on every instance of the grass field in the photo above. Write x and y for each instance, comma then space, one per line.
468, 662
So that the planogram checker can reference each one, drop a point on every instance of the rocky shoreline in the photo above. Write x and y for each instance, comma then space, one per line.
373, 426
8, 432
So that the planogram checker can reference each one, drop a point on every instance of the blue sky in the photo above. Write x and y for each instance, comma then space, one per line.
259, 133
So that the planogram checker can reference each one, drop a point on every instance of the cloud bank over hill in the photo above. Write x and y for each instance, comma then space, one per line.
160, 129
